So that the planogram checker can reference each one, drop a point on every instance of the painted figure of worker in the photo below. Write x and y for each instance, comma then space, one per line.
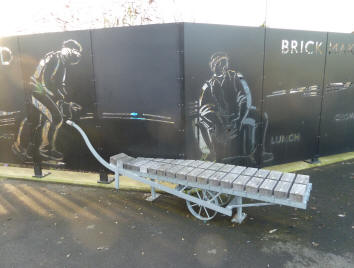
49, 104
226, 116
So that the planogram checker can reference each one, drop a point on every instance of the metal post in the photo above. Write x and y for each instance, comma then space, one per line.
153, 192
116, 178
240, 216
153, 195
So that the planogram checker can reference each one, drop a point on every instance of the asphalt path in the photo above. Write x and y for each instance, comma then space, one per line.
53, 225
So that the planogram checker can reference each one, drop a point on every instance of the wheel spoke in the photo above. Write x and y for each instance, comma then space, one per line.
206, 211
198, 195
195, 204
200, 210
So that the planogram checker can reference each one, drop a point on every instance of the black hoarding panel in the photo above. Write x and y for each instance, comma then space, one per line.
293, 77
223, 92
337, 118
138, 82
11, 96
58, 74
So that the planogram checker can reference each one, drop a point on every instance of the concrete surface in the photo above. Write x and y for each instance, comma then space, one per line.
58, 225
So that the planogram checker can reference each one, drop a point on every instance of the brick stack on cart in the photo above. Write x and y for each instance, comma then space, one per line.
210, 187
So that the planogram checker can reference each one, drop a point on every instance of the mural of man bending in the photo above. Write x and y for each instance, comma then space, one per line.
226, 116
48, 98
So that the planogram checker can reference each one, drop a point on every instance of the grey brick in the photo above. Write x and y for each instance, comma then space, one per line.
172, 171
267, 187
168, 161
192, 176
282, 189
238, 170
253, 185
289, 177
303, 179
134, 164
214, 180
297, 192
187, 162
144, 168
274, 175
226, 168
177, 161
226, 182
203, 177
240, 183
113, 159
182, 173
206, 164
216, 166
196, 163
152, 169
161, 170
262, 173
249, 171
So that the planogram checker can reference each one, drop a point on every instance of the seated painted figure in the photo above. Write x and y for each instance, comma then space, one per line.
227, 125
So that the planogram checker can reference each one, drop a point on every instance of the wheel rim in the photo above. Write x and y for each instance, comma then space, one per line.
199, 211
224, 199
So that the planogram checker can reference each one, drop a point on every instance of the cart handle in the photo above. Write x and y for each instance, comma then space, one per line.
89, 145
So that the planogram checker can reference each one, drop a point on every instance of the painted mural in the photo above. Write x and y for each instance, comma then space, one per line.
243, 97
226, 117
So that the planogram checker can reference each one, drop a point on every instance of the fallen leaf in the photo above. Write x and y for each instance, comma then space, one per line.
92, 226
212, 251
102, 248
315, 244
68, 256
272, 231
341, 215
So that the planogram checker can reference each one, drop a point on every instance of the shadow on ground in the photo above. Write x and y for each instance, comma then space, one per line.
50, 225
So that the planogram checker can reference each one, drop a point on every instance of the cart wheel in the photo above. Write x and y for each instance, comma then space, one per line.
224, 199
199, 211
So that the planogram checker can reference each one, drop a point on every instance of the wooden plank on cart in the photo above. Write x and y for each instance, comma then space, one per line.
214, 179
282, 189
253, 185
297, 192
